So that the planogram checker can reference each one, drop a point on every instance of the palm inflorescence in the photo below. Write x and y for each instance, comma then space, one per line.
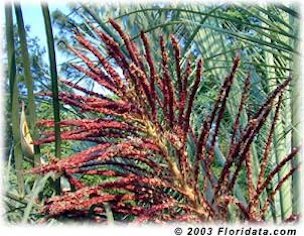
155, 166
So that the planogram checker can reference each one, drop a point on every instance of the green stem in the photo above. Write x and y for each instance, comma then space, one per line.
13, 83
28, 77
295, 121
54, 77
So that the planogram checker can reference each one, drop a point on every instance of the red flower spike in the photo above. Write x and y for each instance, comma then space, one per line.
223, 99
183, 98
275, 171
129, 44
279, 185
247, 137
108, 68
152, 73
177, 53
268, 143
255, 126
145, 140
244, 98
192, 95
167, 85
99, 79
82, 89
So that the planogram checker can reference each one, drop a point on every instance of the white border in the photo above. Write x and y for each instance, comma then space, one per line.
7, 229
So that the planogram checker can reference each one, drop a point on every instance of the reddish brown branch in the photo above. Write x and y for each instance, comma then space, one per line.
167, 84
177, 53
192, 95
152, 74
275, 171
267, 148
108, 68
278, 187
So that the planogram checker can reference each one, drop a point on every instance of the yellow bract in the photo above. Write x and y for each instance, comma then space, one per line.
26, 140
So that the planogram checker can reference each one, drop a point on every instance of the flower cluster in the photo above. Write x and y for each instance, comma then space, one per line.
142, 134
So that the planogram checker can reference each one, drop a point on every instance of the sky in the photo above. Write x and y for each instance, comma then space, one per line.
32, 16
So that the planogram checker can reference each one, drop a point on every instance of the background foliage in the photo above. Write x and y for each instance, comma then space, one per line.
266, 36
